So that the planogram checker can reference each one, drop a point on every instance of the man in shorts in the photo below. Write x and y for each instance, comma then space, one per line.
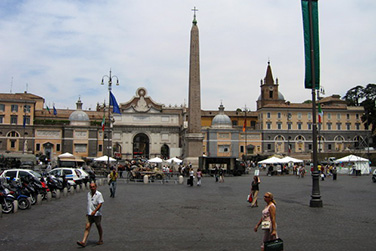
94, 215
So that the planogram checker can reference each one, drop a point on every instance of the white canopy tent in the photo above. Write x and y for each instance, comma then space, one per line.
289, 159
174, 160
104, 158
155, 160
353, 162
66, 155
271, 160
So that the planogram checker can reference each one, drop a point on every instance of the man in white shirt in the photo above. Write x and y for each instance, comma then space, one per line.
94, 215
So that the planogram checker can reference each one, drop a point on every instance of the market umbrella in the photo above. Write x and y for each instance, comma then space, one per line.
175, 160
66, 155
155, 160
104, 158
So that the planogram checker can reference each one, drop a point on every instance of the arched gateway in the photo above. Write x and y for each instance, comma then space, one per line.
141, 146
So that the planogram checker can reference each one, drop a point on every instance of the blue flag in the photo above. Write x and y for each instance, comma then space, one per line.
115, 106
55, 111
24, 121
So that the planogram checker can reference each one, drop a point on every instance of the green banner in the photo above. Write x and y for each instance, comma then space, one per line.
311, 42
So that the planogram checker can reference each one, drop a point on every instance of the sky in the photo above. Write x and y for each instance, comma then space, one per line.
61, 49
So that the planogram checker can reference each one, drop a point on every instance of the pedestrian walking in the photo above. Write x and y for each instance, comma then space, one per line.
255, 190
191, 174
112, 182
221, 175
334, 172
268, 220
94, 215
216, 173
199, 176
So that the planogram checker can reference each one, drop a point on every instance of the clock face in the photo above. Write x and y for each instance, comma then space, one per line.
271, 88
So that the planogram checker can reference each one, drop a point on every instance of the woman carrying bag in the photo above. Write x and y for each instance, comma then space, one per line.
255, 190
268, 220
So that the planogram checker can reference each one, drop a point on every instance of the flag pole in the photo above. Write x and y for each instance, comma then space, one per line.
315, 196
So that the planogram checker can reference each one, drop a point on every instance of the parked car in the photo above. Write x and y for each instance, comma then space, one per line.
72, 174
16, 174
84, 175
374, 176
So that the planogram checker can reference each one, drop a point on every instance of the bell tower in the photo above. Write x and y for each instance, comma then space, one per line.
269, 90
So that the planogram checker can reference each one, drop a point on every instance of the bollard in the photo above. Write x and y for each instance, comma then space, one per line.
78, 188
15, 206
49, 196
39, 199
146, 179
99, 182
1, 211
65, 192
57, 194
181, 179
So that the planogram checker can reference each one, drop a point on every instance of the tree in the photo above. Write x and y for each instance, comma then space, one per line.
369, 104
354, 95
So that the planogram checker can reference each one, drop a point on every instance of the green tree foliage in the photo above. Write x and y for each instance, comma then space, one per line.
354, 95
366, 97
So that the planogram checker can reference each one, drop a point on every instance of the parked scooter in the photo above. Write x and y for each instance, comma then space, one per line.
6, 199
21, 194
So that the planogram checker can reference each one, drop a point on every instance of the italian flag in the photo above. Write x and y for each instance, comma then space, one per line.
321, 114
103, 122
245, 125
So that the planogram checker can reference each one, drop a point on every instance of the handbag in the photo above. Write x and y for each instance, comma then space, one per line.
250, 198
273, 245
265, 225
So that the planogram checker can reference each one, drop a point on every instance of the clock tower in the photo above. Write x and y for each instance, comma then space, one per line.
269, 90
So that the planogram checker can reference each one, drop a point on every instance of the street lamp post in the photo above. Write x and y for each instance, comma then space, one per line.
110, 79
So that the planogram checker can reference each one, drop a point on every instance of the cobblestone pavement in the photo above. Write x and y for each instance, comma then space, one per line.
214, 216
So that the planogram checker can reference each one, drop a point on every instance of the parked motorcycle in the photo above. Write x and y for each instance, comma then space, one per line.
21, 194
6, 199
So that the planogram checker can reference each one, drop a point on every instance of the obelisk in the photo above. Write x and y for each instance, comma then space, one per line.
194, 137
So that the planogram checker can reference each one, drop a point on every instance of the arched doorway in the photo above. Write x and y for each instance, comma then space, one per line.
48, 149
13, 141
165, 151
141, 146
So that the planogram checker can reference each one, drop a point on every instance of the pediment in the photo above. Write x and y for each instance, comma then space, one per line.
141, 103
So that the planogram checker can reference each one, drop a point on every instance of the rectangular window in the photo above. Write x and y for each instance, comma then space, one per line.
348, 126
357, 126
2, 107
357, 116
338, 116
12, 143
289, 126
289, 115
347, 116
13, 119
26, 120
27, 108
268, 115
270, 94
309, 115
329, 126
299, 126
339, 126
279, 115
329, 146
100, 148
242, 149
58, 148
269, 146
14, 108
234, 122
269, 126
1, 119
279, 126
309, 126
223, 148
329, 116
299, 115
309, 146
37, 147
80, 148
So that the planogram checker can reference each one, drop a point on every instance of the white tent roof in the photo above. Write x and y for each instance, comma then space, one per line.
289, 159
155, 160
104, 158
66, 155
272, 160
351, 158
175, 160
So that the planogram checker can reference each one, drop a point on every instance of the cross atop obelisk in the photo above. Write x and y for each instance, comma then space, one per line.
194, 15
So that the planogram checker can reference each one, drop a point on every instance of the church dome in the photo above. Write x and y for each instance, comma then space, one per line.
221, 120
79, 117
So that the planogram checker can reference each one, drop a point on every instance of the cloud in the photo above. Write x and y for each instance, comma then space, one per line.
63, 48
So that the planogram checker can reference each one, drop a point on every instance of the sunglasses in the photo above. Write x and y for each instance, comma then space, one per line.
266, 196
